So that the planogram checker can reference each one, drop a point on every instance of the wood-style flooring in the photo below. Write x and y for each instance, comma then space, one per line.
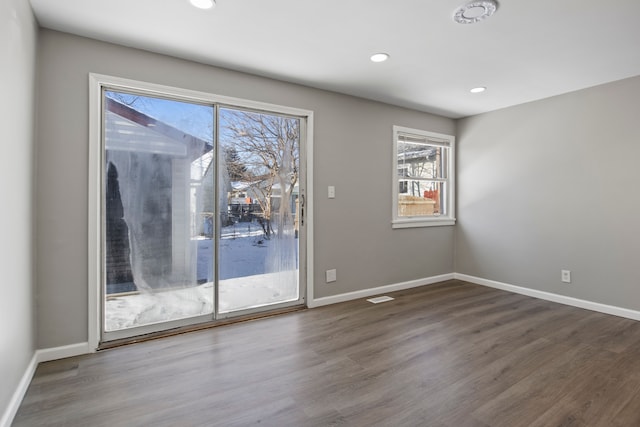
451, 354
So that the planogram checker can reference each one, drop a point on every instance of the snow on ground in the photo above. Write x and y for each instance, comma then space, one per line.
127, 311
243, 284
243, 250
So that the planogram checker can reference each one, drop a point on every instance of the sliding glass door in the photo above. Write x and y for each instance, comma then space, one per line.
158, 211
260, 187
202, 212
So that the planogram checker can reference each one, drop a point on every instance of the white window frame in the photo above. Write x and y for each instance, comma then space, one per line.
425, 220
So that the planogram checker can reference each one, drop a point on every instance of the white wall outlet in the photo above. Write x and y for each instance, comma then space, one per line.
566, 276
331, 192
331, 275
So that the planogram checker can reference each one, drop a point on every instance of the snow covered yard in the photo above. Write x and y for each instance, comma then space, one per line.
244, 284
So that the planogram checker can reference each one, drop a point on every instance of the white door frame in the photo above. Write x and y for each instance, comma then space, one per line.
95, 181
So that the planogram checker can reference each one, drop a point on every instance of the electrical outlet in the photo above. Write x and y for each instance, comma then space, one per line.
566, 276
331, 275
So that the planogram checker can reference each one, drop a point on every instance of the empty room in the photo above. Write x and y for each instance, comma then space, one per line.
293, 213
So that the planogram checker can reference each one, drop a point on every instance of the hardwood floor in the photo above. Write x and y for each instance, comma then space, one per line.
446, 355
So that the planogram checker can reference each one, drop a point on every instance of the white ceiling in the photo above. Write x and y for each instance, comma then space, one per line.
529, 49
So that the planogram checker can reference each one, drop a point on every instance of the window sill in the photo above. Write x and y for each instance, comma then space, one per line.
422, 222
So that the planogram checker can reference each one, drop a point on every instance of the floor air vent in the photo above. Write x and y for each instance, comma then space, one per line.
378, 300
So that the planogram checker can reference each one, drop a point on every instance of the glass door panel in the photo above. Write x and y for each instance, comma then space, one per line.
158, 211
259, 199
201, 212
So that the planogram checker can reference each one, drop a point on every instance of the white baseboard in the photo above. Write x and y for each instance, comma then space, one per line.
12, 409
562, 299
55, 353
48, 354
39, 356
334, 299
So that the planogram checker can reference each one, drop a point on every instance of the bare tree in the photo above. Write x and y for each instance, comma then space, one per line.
127, 99
269, 148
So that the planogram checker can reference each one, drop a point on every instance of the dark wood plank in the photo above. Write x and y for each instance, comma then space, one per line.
451, 354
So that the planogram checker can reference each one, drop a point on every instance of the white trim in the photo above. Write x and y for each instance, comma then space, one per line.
548, 296
422, 222
45, 355
39, 356
62, 352
94, 224
448, 141
334, 299
309, 207
96, 84
16, 399
147, 88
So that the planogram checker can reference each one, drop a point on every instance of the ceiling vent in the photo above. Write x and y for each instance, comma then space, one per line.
475, 11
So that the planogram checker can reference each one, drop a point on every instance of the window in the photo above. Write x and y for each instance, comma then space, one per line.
423, 186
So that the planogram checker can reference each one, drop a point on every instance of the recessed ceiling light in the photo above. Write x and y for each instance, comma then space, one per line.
478, 89
475, 11
203, 4
379, 57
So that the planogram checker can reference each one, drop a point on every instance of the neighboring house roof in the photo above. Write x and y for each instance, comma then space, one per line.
240, 185
427, 152
127, 129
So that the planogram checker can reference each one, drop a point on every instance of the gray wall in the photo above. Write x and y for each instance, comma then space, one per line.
17, 334
352, 151
553, 185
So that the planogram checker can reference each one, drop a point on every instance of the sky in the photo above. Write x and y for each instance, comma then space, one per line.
191, 118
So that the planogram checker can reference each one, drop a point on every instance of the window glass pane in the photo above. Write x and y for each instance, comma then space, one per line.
422, 161
423, 198
259, 193
423, 181
158, 210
